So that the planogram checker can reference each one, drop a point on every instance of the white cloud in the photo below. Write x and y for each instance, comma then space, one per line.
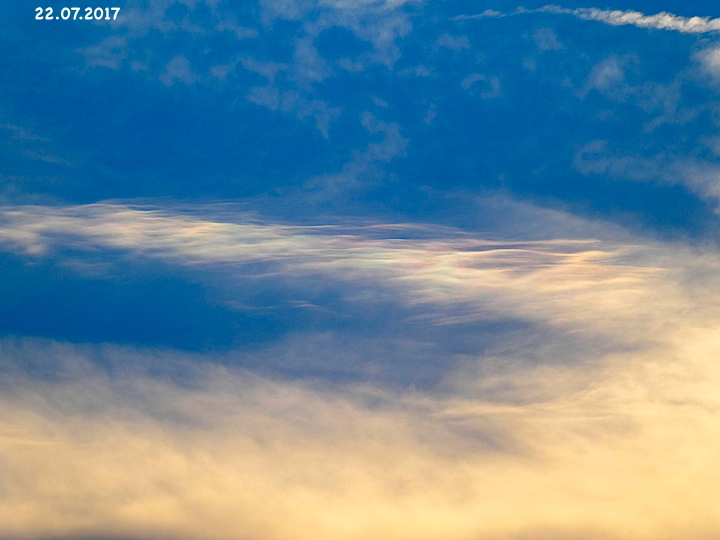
239, 31
546, 39
298, 102
297, 9
392, 145
178, 69
320, 111
710, 62
23, 134
608, 77
487, 14
377, 23
267, 96
417, 71
613, 79
700, 177
362, 170
269, 70
296, 99
492, 88
137, 19
109, 53
659, 21
309, 66
455, 43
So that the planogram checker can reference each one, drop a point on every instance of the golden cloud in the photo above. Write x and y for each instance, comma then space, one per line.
620, 443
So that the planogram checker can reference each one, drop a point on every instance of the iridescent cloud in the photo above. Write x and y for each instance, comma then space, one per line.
617, 442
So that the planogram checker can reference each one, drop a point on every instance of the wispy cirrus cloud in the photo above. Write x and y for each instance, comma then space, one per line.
659, 21
697, 175
560, 281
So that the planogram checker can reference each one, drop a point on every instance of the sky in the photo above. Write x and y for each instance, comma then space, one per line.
351, 269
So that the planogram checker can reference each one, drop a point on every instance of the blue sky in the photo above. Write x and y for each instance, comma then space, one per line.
345, 269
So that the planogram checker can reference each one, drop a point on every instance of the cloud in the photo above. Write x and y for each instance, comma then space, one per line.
291, 87
660, 21
297, 9
291, 101
239, 31
450, 275
23, 134
364, 168
487, 14
141, 22
492, 85
608, 78
21, 141
178, 69
699, 176
455, 43
546, 39
710, 62
611, 441
622, 449
392, 145
309, 66
377, 23
109, 53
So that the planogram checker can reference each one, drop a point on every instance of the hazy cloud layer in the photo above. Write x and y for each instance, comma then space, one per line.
622, 449
601, 442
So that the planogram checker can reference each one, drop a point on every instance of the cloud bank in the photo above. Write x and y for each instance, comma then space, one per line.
603, 442
624, 450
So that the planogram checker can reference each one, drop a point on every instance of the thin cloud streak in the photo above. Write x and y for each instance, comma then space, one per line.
659, 21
